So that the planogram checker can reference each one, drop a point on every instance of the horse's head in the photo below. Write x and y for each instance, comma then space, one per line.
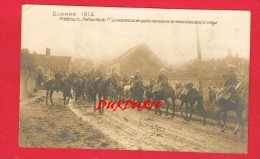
212, 94
152, 83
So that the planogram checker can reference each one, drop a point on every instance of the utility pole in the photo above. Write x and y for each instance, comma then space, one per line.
199, 61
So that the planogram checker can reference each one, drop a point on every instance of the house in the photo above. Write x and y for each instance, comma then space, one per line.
29, 61
140, 57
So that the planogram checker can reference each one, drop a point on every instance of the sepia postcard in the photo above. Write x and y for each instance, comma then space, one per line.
134, 79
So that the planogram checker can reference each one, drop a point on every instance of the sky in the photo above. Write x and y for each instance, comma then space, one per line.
172, 42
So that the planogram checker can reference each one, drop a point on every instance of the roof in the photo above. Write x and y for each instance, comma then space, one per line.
53, 62
139, 50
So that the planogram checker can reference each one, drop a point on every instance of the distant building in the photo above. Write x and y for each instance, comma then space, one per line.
140, 58
48, 62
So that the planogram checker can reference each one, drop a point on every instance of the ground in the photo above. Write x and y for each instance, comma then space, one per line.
77, 126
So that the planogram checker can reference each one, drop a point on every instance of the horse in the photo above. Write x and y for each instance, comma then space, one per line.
65, 87
101, 89
181, 94
166, 93
194, 96
127, 92
238, 104
79, 88
138, 91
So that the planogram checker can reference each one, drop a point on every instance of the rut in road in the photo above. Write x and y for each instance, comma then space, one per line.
146, 131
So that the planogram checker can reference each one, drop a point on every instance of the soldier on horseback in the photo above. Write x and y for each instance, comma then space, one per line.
58, 80
91, 74
162, 80
137, 79
231, 80
39, 76
125, 80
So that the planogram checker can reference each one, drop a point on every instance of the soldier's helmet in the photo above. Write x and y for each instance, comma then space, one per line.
137, 71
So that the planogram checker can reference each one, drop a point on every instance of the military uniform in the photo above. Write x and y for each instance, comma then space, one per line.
137, 78
162, 81
231, 80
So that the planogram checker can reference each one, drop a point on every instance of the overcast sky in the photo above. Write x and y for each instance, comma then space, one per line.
98, 40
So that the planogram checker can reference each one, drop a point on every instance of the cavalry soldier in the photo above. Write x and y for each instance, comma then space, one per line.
231, 77
58, 80
231, 80
113, 72
125, 80
101, 70
91, 73
137, 78
63, 71
131, 80
99, 77
162, 80
39, 76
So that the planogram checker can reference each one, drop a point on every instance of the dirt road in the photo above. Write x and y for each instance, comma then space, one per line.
78, 126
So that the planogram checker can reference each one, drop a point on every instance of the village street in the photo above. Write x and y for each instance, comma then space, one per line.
77, 126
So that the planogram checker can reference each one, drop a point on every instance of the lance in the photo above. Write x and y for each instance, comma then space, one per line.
199, 61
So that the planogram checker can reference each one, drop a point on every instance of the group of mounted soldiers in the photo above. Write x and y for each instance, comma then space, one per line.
97, 83
230, 79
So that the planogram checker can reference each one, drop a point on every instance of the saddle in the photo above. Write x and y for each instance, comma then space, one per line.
226, 94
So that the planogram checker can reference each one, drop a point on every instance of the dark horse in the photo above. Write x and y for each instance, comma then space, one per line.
101, 89
181, 94
239, 103
194, 96
79, 88
166, 93
190, 97
138, 91
65, 87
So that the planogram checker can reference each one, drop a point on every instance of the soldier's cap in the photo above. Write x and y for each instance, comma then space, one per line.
137, 71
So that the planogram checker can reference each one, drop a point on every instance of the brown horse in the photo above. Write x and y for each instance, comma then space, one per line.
101, 89
238, 104
65, 87
166, 93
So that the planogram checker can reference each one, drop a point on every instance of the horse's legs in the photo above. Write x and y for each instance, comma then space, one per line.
181, 108
216, 116
240, 124
99, 110
167, 107
64, 99
186, 110
225, 120
173, 107
46, 98
191, 111
204, 116
51, 93
94, 101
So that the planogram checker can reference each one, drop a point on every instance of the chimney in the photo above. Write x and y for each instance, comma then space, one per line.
48, 52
